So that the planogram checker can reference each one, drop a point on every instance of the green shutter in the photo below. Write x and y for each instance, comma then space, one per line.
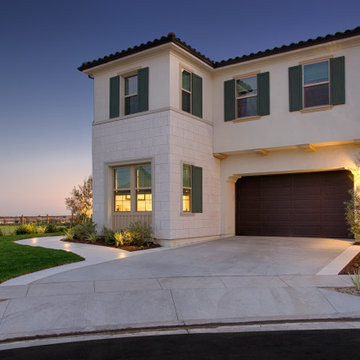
114, 96
263, 102
337, 80
295, 88
143, 89
229, 100
196, 196
196, 95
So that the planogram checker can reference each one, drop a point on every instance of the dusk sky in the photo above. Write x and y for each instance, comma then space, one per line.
46, 104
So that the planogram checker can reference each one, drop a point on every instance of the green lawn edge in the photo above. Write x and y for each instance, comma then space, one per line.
17, 260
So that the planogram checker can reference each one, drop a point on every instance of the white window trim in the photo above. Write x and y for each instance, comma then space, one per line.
239, 77
185, 213
182, 68
133, 188
316, 107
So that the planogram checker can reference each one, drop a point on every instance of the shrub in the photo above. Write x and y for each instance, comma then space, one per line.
139, 233
356, 280
39, 229
84, 231
91, 237
108, 235
1, 232
70, 233
51, 228
352, 213
119, 238
25, 229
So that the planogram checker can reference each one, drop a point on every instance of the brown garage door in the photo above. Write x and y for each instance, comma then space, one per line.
307, 204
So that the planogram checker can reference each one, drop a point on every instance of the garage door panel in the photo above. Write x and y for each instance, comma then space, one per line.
306, 204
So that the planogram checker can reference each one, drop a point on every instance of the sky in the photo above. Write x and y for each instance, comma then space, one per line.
46, 104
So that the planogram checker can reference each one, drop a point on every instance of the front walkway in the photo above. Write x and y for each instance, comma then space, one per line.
236, 280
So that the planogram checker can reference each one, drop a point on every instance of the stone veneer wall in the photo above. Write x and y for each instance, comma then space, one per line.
167, 139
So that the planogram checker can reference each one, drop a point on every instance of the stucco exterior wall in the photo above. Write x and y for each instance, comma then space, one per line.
281, 127
159, 91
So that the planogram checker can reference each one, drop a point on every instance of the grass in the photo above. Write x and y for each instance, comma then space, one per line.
16, 259
8, 229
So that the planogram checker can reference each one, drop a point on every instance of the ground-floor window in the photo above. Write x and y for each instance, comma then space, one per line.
192, 189
132, 188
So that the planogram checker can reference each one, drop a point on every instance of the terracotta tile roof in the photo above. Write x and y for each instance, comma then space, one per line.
217, 64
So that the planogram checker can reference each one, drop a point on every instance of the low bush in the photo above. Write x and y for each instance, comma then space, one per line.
139, 233
119, 238
1, 233
108, 236
40, 229
25, 229
85, 231
70, 233
356, 280
51, 228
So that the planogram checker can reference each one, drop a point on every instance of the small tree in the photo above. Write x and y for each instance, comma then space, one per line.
80, 201
352, 213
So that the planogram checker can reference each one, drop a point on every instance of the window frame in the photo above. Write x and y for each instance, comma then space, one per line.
244, 76
133, 188
182, 69
125, 77
137, 188
315, 61
187, 188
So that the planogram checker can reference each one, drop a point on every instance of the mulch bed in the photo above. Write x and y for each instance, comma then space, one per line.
101, 242
352, 267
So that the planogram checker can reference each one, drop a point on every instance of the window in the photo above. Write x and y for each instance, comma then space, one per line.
186, 91
122, 189
191, 189
246, 96
135, 93
186, 197
131, 95
132, 188
316, 84
143, 188
191, 93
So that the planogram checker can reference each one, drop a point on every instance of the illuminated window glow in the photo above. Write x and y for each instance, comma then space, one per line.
186, 196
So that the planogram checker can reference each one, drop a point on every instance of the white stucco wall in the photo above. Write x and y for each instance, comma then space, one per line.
281, 127
158, 64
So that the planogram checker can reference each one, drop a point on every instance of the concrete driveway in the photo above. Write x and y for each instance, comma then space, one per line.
244, 256
231, 280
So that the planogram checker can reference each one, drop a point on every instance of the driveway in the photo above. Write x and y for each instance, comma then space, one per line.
231, 280
240, 255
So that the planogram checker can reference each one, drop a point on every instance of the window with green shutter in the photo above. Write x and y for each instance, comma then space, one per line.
192, 189
135, 93
317, 84
247, 97
191, 93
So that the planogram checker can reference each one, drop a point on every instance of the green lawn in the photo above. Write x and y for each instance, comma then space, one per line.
18, 259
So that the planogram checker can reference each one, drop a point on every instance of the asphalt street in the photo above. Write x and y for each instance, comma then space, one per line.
315, 344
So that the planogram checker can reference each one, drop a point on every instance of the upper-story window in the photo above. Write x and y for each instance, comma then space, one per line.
316, 84
131, 94
191, 93
186, 91
246, 96
134, 93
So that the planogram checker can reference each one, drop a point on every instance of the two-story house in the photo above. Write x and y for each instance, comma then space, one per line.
263, 144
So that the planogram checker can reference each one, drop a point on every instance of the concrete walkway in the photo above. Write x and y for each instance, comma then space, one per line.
234, 280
